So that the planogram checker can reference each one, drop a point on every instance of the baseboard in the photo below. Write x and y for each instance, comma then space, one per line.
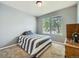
7, 46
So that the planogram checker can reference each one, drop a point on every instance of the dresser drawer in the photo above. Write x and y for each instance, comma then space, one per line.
69, 51
76, 52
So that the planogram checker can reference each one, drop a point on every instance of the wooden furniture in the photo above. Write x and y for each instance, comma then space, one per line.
71, 28
71, 49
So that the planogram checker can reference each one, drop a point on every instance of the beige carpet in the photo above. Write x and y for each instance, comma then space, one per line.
13, 52
54, 51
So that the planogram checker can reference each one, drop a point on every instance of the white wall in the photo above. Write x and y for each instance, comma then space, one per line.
12, 23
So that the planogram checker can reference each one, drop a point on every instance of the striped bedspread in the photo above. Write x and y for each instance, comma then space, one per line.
34, 44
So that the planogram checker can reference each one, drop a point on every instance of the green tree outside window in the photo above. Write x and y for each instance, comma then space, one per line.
52, 24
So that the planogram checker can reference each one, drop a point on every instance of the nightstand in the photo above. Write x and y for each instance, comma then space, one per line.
71, 49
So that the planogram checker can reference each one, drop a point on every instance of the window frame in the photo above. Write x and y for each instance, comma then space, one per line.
50, 32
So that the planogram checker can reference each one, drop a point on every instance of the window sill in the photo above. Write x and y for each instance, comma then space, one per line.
60, 34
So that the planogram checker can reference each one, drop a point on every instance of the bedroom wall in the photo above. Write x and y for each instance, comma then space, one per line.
69, 16
78, 12
12, 23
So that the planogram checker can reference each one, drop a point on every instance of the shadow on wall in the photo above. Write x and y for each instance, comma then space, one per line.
13, 41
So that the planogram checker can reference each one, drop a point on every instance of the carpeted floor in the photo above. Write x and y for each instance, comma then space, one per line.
54, 51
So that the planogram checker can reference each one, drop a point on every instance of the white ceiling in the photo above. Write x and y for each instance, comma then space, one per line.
31, 8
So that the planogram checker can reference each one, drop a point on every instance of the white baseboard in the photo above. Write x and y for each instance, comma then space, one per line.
7, 46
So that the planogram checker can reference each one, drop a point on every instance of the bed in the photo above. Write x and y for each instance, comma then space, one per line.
34, 44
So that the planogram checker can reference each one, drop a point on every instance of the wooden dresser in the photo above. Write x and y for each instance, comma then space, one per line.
71, 49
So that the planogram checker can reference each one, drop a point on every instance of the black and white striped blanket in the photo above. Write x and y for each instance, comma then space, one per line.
34, 44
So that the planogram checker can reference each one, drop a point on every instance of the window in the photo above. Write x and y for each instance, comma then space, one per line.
46, 25
52, 25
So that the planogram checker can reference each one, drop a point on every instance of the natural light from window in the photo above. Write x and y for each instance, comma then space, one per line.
52, 25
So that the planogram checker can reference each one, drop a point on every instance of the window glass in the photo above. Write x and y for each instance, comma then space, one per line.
46, 26
52, 25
